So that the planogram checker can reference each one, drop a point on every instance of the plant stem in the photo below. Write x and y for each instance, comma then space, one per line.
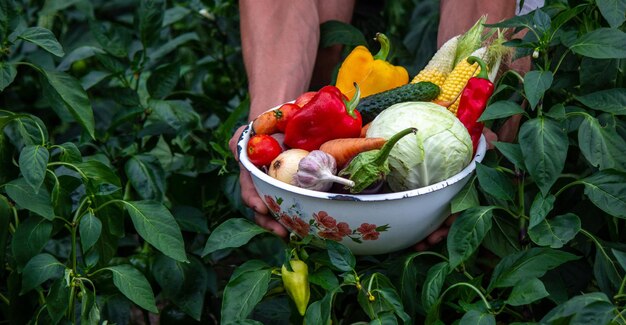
79, 209
71, 306
107, 203
620, 292
560, 61
459, 284
74, 248
600, 247
620, 315
4, 299
562, 189
506, 170
414, 255
520, 196
60, 163
15, 217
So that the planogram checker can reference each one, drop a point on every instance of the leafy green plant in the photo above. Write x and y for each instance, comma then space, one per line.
540, 235
119, 195
114, 159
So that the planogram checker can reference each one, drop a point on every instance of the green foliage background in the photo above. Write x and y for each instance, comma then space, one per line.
114, 159
119, 196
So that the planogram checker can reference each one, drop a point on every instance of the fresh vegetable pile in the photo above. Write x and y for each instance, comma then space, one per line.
374, 131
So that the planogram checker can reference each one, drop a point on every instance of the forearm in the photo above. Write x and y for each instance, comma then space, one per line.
279, 44
280, 40
457, 16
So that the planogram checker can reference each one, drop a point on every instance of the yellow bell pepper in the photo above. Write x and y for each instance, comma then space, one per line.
373, 74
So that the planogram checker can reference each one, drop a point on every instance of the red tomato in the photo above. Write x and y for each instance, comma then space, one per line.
305, 98
262, 149
286, 112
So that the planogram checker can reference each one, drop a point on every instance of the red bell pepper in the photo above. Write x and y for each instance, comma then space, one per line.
327, 116
474, 100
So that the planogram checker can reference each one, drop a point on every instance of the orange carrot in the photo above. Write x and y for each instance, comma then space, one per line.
266, 123
344, 149
364, 129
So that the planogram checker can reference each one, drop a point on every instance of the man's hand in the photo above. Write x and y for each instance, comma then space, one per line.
251, 197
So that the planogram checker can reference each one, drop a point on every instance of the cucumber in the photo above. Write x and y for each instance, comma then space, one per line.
372, 105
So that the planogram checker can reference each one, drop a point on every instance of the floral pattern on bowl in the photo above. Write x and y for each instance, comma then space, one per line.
321, 223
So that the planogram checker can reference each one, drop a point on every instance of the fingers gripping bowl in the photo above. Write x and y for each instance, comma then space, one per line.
368, 224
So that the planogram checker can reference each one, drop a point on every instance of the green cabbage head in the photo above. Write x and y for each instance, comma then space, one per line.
441, 147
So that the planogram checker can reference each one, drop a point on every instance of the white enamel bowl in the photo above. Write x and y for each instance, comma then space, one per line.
368, 224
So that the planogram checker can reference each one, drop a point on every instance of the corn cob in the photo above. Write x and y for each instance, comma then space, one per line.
470, 41
457, 79
440, 65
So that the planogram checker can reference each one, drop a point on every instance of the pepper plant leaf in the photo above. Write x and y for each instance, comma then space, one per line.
555, 232
526, 292
243, 293
601, 43
502, 238
614, 11
43, 38
33, 163
512, 152
605, 270
607, 190
58, 298
598, 74
30, 238
185, 284
620, 256
501, 109
6, 214
541, 206
601, 146
536, 82
385, 300
476, 317
495, 182
232, 233
147, 176
173, 44
340, 256
40, 268
150, 16
531, 263
590, 308
163, 80
544, 145
89, 228
320, 311
608, 100
22, 193
336, 32
24, 129
466, 198
99, 175
7, 74
69, 153
134, 285
467, 232
157, 226
433, 284
68, 92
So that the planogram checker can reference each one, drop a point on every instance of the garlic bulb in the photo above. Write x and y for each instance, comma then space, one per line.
317, 172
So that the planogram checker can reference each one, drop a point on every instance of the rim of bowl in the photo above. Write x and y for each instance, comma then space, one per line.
243, 159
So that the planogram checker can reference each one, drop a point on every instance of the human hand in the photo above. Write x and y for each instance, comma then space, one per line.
250, 197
